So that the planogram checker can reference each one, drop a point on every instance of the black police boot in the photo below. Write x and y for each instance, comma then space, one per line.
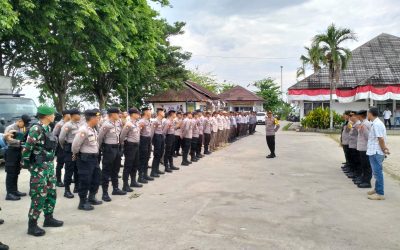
127, 188
172, 167
106, 197
147, 177
364, 185
60, 184
34, 229
3, 246
85, 205
185, 163
135, 184
49, 221
1, 221
168, 169
93, 200
75, 189
141, 178
117, 191
193, 159
12, 197
159, 171
154, 174
18, 193
175, 155
67, 193
199, 156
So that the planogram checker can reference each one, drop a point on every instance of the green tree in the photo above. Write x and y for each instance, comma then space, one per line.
336, 57
207, 80
270, 92
313, 58
14, 39
225, 87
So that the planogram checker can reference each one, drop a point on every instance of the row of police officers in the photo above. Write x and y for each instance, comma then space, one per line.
80, 145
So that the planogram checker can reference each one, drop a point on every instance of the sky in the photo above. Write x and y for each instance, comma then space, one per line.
241, 41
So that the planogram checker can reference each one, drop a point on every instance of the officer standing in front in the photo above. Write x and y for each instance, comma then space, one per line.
109, 144
67, 135
85, 149
271, 127
13, 157
130, 138
38, 156
60, 152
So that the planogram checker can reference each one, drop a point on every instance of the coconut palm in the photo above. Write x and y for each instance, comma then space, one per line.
336, 57
313, 58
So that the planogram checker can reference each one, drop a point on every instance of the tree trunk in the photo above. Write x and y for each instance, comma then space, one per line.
331, 98
102, 101
59, 102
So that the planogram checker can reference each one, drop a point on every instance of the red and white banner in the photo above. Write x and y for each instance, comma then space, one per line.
347, 95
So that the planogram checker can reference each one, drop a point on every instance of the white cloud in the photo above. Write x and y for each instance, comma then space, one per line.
268, 29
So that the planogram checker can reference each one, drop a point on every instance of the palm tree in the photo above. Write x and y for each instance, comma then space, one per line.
314, 58
336, 57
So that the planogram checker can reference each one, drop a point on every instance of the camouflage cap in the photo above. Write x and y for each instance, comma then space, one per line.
45, 110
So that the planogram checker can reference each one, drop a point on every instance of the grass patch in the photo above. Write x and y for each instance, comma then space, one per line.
287, 126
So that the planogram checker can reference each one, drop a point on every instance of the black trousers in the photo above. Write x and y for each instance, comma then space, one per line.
111, 165
355, 161
70, 166
185, 149
271, 143
178, 143
60, 161
207, 139
12, 159
169, 151
89, 174
144, 153
388, 122
132, 163
346, 154
199, 145
365, 167
193, 146
158, 143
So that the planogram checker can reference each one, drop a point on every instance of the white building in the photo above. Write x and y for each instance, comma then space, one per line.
372, 78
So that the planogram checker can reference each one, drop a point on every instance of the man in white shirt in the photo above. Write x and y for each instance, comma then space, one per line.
387, 114
376, 151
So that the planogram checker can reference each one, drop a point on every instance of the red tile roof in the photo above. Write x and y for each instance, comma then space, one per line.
185, 94
238, 93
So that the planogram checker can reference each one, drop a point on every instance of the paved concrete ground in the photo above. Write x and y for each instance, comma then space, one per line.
234, 199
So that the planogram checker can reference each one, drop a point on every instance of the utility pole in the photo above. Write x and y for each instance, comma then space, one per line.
281, 82
127, 92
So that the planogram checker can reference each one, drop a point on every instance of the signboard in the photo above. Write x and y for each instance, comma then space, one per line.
177, 106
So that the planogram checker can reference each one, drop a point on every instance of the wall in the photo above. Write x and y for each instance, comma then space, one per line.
340, 107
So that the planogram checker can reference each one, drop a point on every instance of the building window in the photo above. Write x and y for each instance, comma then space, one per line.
309, 106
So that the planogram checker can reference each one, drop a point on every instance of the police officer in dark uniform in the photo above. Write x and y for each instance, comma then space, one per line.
59, 151
13, 157
85, 148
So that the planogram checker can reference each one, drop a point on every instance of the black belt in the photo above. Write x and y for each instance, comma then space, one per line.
131, 143
89, 154
112, 145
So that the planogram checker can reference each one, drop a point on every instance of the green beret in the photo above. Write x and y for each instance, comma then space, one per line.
45, 110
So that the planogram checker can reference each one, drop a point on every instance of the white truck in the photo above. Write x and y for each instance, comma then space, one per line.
261, 117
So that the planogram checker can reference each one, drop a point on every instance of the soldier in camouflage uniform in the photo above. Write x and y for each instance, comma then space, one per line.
38, 157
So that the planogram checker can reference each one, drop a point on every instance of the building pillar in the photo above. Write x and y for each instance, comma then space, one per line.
301, 104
